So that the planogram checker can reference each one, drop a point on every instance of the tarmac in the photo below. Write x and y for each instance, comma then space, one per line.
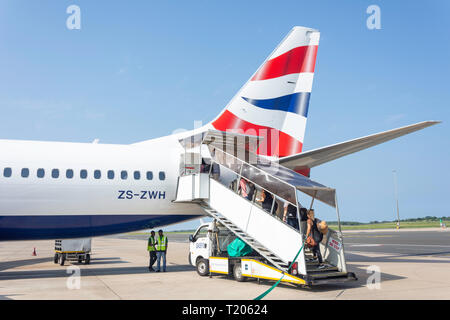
414, 264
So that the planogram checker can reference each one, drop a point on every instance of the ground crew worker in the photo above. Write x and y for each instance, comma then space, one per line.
161, 249
151, 250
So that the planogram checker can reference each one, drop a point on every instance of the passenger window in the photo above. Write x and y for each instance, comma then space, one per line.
137, 175
83, 174
124, 175
69, 173
110, 174
7, 172
97, 174
149, 175
25, 173
162, 175
40, 173
55, 173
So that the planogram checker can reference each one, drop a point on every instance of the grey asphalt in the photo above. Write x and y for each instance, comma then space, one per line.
412, 264
403, 242
426, 243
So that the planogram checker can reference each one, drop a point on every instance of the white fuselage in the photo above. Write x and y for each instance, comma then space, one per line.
127, 187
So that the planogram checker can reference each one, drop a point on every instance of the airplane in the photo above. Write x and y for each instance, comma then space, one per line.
57, 190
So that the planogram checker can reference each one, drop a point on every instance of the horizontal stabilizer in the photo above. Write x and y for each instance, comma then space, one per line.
320, 156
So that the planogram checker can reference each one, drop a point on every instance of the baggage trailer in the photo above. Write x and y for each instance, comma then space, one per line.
77, 250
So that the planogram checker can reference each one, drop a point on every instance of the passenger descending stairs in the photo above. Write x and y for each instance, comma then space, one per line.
255, 245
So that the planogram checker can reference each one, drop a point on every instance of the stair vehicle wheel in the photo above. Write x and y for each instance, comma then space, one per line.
202, 267
237, 273
88, 259
62, 259
56, 258
80, 259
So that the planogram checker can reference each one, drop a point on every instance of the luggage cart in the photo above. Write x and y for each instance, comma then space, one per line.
78, 250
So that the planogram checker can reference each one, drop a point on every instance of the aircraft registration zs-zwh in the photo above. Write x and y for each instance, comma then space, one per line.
53, 190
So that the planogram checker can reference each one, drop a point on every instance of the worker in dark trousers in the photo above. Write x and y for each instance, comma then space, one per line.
151, 250
161, 250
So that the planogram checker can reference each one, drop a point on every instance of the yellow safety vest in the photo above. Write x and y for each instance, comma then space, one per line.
151, 242
161, 243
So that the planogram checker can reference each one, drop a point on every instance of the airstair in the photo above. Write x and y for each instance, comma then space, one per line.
210, 175
258, 247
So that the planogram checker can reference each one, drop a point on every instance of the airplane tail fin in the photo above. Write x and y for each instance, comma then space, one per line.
274, 102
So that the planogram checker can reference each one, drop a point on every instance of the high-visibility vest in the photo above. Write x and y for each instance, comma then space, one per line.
161, 243
151, 242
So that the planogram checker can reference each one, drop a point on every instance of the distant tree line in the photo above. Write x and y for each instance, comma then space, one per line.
427, 218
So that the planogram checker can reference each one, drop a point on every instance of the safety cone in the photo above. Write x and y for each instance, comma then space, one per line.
34, 252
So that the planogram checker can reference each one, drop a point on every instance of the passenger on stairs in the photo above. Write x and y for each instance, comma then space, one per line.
290, 215
303, 220
205, 166
314, 237
266, 201
243, 188
251, 191
215, 171
246, 189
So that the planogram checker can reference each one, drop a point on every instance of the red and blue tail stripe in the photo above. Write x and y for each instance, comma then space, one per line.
296, 103
298, 60
275, 143
274, 103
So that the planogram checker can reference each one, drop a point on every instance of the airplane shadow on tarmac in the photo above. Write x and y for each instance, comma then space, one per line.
28, 262
21, 263
61, 271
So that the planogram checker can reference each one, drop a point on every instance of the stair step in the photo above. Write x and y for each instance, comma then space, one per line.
328, 275
317, 270
252, 242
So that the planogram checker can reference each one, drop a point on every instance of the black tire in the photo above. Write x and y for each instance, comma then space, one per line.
56, 258
88, 259
62, 259
202, 267
80, 259
237, 273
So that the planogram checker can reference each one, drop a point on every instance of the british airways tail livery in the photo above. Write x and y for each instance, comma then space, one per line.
51, 190
274, 102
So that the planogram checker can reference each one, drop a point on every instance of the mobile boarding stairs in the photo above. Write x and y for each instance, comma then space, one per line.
210, 170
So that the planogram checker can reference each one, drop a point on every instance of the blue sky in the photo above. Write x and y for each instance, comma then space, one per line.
138, 70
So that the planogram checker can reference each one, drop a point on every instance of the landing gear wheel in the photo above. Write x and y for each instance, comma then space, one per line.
202, 267
62, 259
88, 259
55, 258
237, 273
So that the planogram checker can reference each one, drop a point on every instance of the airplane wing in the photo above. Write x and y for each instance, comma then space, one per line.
313, 158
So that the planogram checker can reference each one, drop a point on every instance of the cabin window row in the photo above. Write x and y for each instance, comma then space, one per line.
83, 174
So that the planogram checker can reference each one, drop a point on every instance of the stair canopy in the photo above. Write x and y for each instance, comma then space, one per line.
275, 178
238, 152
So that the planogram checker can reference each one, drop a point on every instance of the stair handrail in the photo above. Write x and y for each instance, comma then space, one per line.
254, 196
